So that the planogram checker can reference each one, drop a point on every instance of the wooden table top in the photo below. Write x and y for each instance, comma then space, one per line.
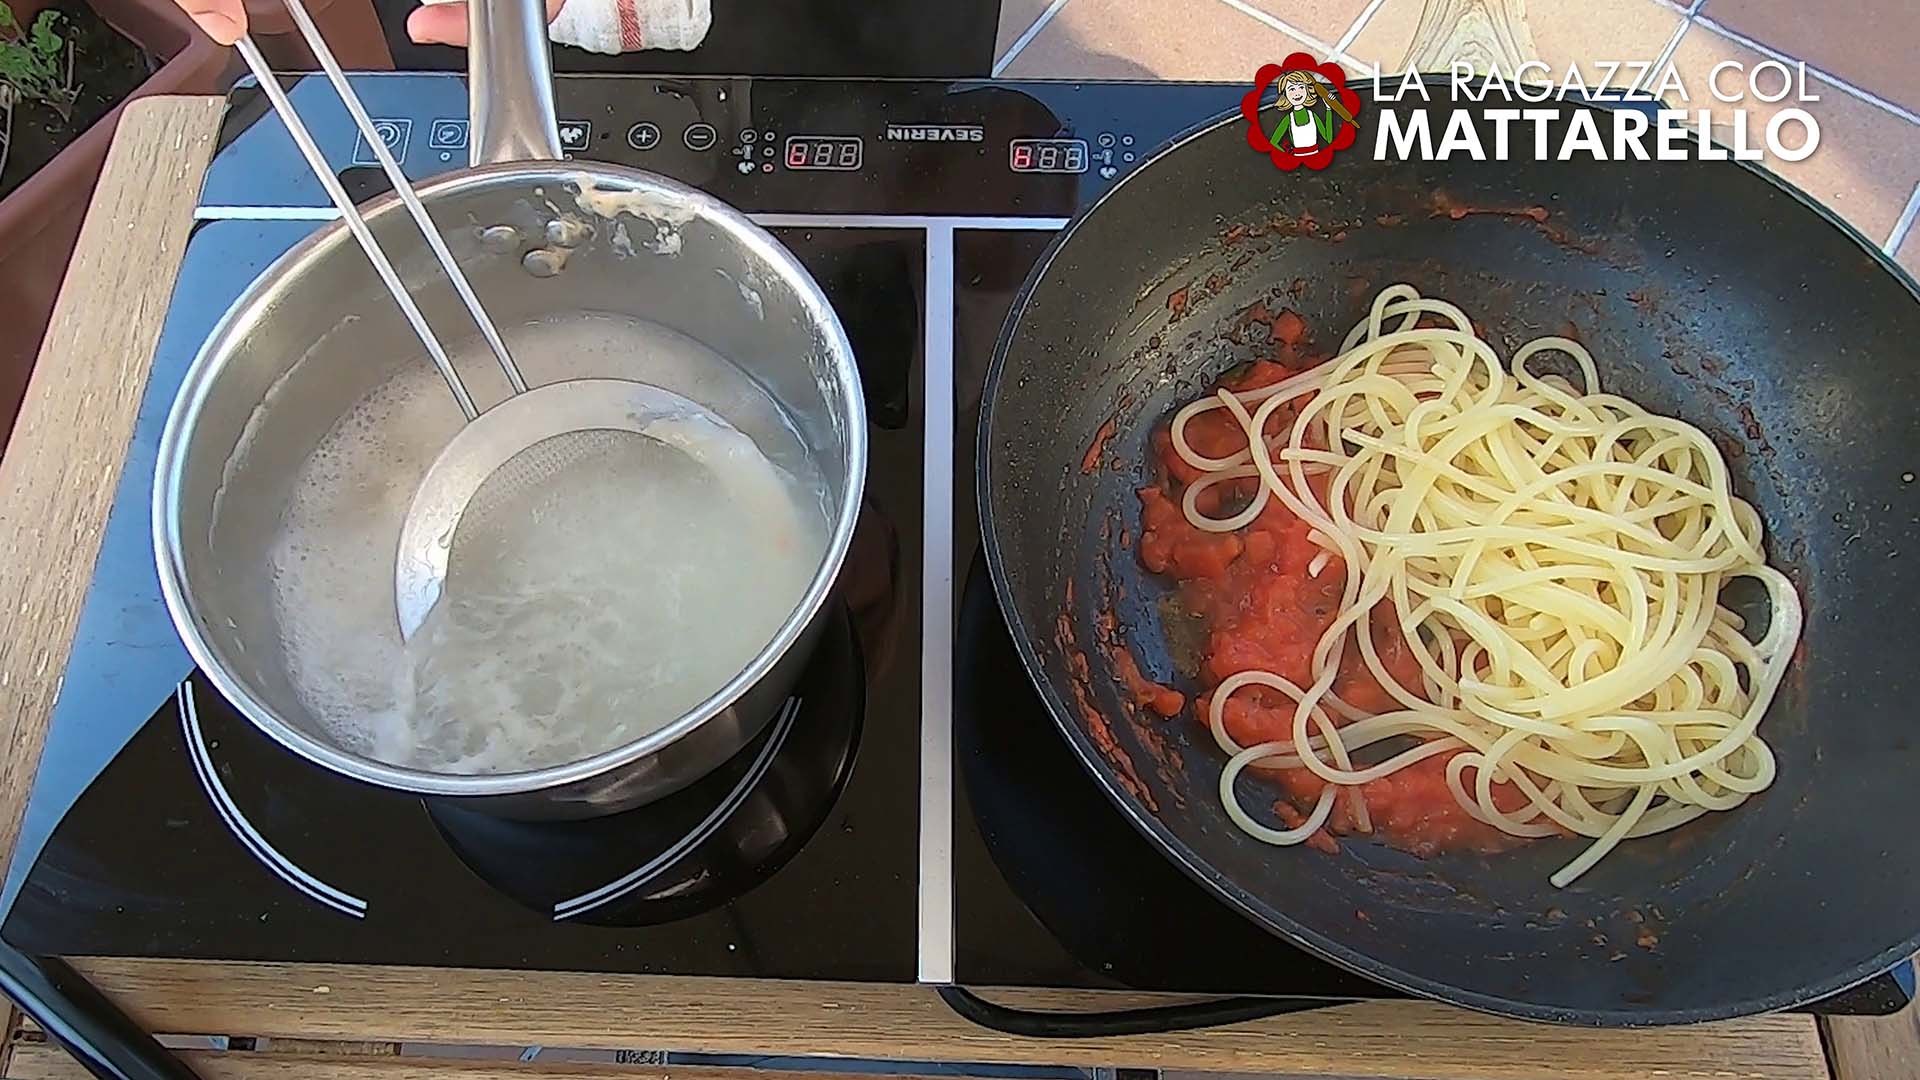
57, 480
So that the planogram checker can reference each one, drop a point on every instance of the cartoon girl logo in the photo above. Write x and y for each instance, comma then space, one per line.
1315, 116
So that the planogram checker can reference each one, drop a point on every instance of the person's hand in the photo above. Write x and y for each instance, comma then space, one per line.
446, 23
430, 24
222, 20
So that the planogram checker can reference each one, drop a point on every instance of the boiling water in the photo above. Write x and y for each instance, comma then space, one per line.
579, 612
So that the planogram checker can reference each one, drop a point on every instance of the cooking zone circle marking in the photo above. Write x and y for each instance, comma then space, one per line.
243, 830
614, 890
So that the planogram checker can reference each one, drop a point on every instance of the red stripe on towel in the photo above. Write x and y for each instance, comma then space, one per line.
630, 40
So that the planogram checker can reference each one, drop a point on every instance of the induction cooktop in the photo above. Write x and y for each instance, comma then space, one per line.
909, 815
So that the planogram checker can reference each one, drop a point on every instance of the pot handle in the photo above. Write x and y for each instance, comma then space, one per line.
510, 83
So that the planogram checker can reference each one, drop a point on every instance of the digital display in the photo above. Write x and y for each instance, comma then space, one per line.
1048, 155
837, 152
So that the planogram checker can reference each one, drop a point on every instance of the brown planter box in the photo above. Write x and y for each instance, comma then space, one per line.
40, 219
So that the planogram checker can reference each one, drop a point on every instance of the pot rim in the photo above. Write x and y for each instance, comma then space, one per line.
252, 305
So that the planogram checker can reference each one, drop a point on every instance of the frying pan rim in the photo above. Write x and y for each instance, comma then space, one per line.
1275, 920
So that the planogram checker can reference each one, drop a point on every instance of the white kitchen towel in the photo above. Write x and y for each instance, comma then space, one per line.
618, 26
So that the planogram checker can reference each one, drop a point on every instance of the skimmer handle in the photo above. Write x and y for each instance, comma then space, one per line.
510, 83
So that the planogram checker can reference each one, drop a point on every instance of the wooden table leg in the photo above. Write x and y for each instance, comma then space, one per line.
1874, 1047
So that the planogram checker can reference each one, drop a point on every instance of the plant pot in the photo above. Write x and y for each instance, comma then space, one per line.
40, 219
104, 67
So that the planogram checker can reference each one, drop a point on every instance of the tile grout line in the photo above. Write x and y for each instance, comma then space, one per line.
1904, 226
1329, 51
1359, 23
1835, 81
1026, 37
1666, 54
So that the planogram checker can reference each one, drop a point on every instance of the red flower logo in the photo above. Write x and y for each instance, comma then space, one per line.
1345, 128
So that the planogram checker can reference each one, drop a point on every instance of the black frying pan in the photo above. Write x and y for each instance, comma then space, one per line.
1707, 290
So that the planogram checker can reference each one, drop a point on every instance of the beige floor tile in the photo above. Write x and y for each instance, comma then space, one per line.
1909, 253
1148, 39
1324, 20
1561, 32
1868, 159
1871, 45
1015, 17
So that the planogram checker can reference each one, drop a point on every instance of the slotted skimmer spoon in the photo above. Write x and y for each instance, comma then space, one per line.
559, 426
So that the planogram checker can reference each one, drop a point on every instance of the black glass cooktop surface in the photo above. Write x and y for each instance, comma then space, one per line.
163, 824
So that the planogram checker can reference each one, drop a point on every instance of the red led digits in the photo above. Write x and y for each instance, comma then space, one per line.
1047, 155
839, 153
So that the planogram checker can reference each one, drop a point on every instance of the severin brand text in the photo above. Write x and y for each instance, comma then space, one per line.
1543, 123
935, 133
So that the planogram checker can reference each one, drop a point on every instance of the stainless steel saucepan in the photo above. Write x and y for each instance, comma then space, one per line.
540, 239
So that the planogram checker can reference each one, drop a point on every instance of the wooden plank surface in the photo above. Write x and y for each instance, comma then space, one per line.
39, 1061
1389, 1039
59, 471
1875, 1047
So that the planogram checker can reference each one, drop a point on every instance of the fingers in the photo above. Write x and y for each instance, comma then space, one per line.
438, 24
446, 23
222, 20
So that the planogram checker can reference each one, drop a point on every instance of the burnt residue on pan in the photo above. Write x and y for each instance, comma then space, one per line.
1444, 205
1146, 708
1098, 447
1145, 704
1080, 679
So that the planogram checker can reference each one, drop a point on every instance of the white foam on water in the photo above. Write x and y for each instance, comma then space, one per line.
580, 612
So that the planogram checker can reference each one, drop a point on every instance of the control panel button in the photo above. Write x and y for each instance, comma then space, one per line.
448, 133
393, 131
575, 135
644, 135
699, 136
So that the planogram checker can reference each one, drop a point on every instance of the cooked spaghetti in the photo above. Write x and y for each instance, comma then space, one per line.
1530, 572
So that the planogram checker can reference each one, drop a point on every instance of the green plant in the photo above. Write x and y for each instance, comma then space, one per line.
36, 63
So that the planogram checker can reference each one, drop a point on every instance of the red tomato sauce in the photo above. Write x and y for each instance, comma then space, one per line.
1163, 700
1263, 610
